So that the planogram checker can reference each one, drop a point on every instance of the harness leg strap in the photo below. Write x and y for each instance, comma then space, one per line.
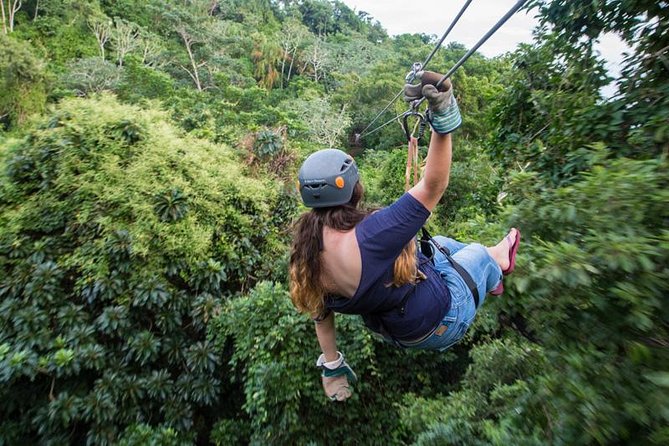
456, 266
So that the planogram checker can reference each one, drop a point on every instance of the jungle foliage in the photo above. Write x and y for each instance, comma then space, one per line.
147, 160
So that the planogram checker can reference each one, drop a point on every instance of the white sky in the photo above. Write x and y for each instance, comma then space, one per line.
434, 16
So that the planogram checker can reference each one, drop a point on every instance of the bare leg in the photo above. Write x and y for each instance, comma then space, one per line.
500, 252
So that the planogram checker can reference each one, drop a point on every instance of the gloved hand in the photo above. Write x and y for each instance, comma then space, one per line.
443, 112
336, 376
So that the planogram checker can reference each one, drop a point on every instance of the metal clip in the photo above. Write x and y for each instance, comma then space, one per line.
411, 75
421, 124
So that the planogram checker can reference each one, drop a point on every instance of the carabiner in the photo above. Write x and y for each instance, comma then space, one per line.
422, 123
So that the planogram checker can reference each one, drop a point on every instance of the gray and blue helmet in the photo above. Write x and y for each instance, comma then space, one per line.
327, 178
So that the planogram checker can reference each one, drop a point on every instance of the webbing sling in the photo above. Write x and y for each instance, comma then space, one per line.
426, 249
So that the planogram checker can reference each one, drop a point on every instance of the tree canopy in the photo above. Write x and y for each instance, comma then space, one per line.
148, 152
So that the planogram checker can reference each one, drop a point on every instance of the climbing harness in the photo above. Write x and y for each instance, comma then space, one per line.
458, 64
426, 244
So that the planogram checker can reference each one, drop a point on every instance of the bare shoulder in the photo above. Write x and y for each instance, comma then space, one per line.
339, 245
342, 262
330, 234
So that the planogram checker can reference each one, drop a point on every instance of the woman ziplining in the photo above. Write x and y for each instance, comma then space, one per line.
347, 260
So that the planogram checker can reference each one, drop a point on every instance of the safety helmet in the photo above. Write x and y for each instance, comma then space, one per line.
327, 178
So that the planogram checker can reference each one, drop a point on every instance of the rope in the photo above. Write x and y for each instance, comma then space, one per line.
412, 164
427, 60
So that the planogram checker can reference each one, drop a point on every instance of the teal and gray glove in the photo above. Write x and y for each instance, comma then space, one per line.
443, 112
336, 376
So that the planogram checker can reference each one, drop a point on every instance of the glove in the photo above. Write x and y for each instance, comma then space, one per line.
335, 376
443, 112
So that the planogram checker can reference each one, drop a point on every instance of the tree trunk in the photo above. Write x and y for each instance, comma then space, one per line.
101, 31
188, 42
124, 35
283, 64
4, 19
292, 59
13, 8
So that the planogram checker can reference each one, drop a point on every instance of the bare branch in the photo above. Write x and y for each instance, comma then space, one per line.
188, 41
102, 33
124, 36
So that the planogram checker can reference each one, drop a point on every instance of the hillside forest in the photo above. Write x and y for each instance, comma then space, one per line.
148, 159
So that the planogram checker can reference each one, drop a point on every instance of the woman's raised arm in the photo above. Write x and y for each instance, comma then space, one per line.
444, 117
437, 171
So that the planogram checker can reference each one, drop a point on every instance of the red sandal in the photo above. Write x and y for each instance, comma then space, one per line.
513, 250
512, 253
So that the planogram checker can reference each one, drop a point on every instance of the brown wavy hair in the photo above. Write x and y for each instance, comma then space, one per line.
306, 287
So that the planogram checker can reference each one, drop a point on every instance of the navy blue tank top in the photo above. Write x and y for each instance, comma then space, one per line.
408, 312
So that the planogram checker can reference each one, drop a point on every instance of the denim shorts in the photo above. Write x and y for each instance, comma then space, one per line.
485, 272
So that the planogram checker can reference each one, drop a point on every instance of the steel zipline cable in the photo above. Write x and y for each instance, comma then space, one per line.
458, 64
492, 31
448, 31
427, 60
376, 129
392, 101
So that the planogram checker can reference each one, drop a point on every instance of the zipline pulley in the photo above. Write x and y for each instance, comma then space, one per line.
413, 108
411, 75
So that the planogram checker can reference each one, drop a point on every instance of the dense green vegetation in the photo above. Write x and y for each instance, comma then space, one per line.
147, 161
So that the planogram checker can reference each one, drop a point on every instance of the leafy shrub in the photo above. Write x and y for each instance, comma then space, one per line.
582, 322
140, 82
593, 293
267, 144
171, 205
92, 75
472, 191
145, 435
326, 124
382, 174
63, 31
105, 290
22, 81
493, 386
273, 360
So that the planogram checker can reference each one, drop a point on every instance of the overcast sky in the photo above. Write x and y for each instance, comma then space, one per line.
434, 16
